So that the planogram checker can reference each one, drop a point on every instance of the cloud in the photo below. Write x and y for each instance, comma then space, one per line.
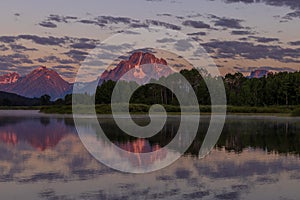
15, 59
293, 4
139, 25
64, 67
264, 39
227, 22
163, 24
48, 59
3, 47
116, 48
105, 20
195, 24
183, 45
83, 45
234, 49
197, 34
295, 43
114, 20
166, 40
43, 40
18, 48
165, 15
77, 43
7, 39
268, 68
241, 32
128, 32
228, 195
60, 18
47, 24
77, 55
291, 15
94, 22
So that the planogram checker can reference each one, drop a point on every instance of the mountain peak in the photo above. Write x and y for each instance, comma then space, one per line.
137, 70
9, 78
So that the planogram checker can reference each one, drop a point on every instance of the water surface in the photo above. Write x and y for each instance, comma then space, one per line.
42, 157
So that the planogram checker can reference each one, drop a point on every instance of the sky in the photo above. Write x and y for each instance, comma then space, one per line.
239, 35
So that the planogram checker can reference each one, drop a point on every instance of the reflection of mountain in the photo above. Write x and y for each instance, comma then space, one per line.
142, 146
41, 135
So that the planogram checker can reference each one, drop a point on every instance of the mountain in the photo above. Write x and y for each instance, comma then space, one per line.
47, 81
10, 99
137, 70
37, 83
9, 78
258, 73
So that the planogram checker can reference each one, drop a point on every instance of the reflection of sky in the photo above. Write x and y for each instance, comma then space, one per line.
68, 171
259, 19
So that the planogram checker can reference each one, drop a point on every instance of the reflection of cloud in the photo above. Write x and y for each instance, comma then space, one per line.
182, 173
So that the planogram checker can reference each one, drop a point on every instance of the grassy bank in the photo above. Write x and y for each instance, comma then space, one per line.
142, 108
20, 107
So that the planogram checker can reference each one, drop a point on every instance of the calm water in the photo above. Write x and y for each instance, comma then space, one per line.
42, 157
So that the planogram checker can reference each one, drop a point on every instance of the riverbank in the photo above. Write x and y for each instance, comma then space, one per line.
142, 108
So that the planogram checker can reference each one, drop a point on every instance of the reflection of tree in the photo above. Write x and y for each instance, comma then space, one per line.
45, 120
272, 136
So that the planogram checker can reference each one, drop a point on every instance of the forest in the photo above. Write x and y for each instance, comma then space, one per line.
278, 89
273, 93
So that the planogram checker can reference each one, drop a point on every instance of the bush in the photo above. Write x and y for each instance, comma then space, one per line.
296, 112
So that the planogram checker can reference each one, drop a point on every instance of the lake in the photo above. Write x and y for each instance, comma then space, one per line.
42, 157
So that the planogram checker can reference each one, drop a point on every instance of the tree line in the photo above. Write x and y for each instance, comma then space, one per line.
279, 89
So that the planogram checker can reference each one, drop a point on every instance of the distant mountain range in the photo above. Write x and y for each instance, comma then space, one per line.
11, 99
134, 69
258, 73
43, 81
37, 83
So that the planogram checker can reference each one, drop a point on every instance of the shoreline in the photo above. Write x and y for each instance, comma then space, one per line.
141, 109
